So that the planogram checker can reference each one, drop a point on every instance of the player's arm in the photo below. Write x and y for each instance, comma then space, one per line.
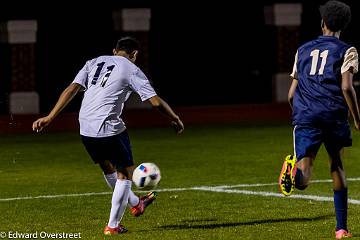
350, 96
294, 82
291, 93
66, 96
140, 84
348, 69
165, 109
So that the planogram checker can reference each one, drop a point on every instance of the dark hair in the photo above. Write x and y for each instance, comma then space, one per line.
127, 44
336, 15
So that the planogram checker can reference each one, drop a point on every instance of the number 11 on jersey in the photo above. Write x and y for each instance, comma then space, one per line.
315, 58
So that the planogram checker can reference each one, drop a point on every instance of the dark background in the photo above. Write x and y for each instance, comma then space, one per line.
204, 54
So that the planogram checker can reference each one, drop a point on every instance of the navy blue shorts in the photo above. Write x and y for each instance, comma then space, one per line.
308, 138
116, 149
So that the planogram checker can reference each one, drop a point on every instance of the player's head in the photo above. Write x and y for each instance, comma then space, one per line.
127, 47
335, 15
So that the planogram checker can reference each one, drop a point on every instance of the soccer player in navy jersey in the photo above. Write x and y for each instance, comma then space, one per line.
107, 82
321, 95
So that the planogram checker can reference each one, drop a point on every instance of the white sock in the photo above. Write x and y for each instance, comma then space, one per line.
119, 201
133, 199
111, 179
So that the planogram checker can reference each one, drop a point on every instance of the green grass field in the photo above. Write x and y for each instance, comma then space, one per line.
49, 164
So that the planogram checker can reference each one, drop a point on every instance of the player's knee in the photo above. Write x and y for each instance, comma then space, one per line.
122, 176
107, 167
127, 172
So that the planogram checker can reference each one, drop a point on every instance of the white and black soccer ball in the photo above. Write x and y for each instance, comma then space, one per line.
146, 176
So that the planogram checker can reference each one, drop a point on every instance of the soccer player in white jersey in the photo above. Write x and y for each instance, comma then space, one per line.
107, 82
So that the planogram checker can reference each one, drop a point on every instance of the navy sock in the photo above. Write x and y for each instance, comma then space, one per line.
299, 180
341, 205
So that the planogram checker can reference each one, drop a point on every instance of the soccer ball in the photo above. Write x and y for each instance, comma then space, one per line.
146, 176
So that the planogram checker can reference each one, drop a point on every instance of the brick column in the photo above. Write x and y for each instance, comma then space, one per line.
285, 18
135, 22
20, 35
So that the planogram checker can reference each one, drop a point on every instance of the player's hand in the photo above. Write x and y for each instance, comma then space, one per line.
178, 126
39, 124
357, 125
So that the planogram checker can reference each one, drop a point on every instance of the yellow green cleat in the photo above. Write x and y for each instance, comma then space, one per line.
287, 175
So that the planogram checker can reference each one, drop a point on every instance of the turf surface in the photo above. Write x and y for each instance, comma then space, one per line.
50, 164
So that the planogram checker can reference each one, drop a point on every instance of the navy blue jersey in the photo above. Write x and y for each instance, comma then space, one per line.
318, 67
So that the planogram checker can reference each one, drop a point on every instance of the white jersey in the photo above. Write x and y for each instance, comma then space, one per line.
108, 82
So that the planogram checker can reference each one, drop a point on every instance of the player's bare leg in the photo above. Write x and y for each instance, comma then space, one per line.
110, 173
337, 171
304, 172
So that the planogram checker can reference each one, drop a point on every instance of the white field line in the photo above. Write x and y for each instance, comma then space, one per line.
272, 194
221, 189
274, 184
55, 196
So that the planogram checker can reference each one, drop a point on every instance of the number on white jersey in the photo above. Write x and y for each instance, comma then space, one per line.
98, 71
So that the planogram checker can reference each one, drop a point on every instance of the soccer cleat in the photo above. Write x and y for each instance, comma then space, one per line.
340, 234
113, 231
144, 201
287, 176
